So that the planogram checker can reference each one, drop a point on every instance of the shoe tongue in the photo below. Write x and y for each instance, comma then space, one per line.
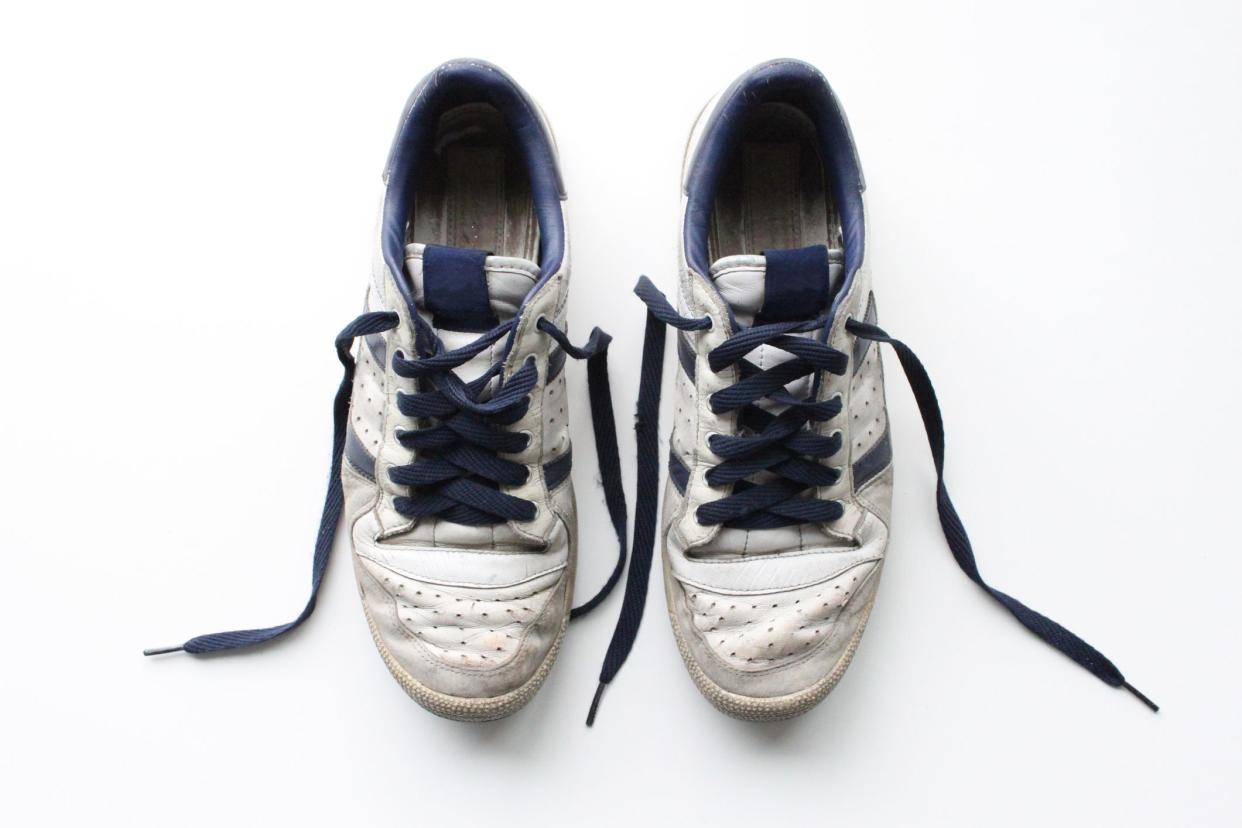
464, 292
780, 285
467, 291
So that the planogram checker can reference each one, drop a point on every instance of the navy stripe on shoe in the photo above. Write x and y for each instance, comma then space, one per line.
861, 344
557, 472
678, 472
556, 363
378, 347
685, 353
874, 460
360, 459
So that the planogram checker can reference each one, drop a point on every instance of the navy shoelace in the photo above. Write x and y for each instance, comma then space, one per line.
780, 445
457, 473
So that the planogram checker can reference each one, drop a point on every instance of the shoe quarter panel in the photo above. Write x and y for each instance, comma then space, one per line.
697, 422
546, 420
864, 418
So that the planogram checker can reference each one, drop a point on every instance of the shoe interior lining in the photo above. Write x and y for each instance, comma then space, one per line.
474, 191
773, 193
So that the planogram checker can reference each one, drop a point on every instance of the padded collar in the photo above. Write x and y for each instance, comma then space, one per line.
450, 85
783, 81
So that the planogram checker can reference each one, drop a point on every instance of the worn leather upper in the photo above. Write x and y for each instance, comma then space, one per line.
466, 611
770, 612
451, 600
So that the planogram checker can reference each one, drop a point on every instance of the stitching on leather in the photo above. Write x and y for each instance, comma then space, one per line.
704, 415
457, 584
433, 662
436, 662
838, 336
772, 669
387, 511
797, 660
554, 289
864, 499
773, 591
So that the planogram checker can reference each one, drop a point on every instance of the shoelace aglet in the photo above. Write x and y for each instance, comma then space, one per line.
599, 691
1155, 708
162, 650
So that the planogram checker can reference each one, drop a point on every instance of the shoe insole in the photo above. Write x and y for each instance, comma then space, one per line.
773, 194
474, 191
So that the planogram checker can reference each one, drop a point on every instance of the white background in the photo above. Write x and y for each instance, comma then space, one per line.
187, 197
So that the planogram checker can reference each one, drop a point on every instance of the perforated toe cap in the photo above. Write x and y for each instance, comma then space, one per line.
460, 639
765, 644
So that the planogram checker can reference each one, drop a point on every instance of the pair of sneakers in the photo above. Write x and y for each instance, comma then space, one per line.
451, 456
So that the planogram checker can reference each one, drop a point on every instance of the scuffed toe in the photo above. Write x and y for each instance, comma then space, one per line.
465, 651
763, 655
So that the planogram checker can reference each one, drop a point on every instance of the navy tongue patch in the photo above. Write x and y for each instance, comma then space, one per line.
795, 284
455, 289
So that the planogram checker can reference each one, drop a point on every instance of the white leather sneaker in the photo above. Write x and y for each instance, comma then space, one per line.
776, 512
454, 425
